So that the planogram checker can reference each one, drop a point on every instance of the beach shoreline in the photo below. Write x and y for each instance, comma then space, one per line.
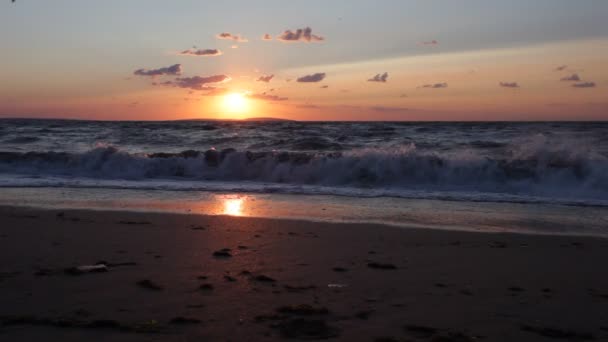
186, 277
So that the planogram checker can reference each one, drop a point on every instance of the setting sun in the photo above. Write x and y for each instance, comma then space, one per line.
236, 103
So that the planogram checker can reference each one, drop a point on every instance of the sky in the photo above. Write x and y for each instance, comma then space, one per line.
309, 60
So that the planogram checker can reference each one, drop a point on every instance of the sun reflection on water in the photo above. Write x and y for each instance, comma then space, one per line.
233, 206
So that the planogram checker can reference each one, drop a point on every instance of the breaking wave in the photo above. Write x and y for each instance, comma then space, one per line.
534, 169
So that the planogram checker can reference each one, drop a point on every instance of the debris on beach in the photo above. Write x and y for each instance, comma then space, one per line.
222, 253
78, 270
381, 266
206, 287
149, 285
184, 320
264, 279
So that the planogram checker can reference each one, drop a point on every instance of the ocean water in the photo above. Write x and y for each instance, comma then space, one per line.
547, 178
550, 163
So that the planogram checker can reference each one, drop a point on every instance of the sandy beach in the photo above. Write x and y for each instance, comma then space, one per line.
175, 277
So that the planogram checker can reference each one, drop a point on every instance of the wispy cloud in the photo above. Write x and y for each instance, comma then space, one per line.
198, 82
389, 109
201, 52
230, 36
300, 35
379, 78
571, 78
175, 69
267, 97
584, 85
318, 77
561, 68
265, 78
435, 85
430, 42
509, 84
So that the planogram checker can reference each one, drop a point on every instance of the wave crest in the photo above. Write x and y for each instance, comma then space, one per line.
535, 168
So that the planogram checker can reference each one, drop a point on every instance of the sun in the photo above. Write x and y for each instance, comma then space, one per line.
236, 103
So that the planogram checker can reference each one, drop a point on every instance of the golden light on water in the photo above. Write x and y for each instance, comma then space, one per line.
233, 206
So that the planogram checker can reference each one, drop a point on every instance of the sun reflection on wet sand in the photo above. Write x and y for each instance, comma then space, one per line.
233, 206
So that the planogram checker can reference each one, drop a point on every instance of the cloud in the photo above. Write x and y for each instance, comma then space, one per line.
265, 78
584, 85
266, 37
318, 77
201, 52
389, 109
509, 84
435, 86
172, 70
571, 78
166, 83
200, 83
300, 35
215, 91
560, 68
267, 97
230, 36
432, 42
379, 78
324, 86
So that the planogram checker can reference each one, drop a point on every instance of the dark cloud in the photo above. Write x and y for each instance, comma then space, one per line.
432, 42
201, 52
584, 85
230, 36
266, 37
265, 78
571, 78
560, 68
200, 83
379, 78
172, 70
509, 84
300, 35
435, 86
267, 97
318, 77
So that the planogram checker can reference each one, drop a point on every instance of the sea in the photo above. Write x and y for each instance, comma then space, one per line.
539, 177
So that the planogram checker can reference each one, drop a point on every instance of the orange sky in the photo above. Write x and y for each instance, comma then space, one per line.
429, 80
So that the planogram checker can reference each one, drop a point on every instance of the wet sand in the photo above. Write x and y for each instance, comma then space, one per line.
174, 277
